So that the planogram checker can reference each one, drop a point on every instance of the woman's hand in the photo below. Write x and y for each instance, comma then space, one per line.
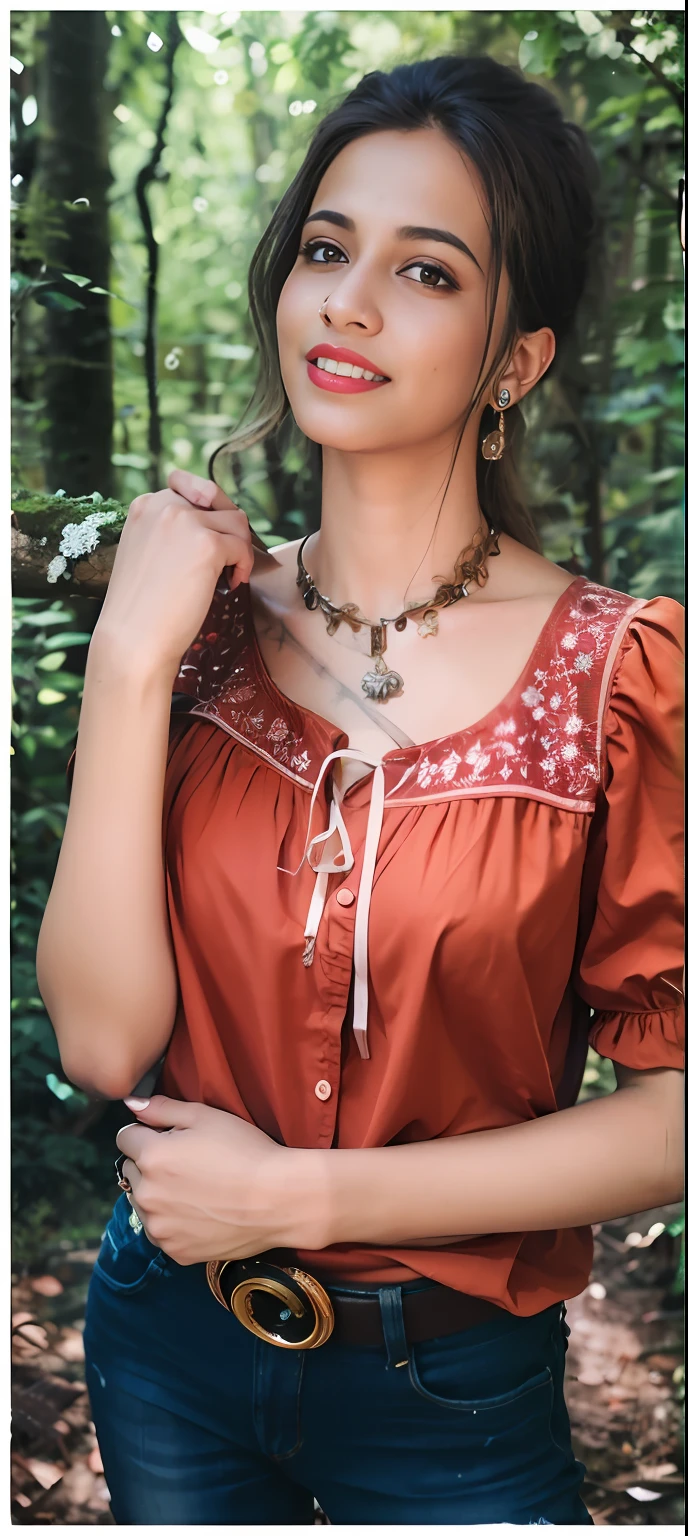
173, 547
207, 1185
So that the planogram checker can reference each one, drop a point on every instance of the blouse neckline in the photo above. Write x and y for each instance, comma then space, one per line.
397, 754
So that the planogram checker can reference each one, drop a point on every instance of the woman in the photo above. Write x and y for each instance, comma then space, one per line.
404, 858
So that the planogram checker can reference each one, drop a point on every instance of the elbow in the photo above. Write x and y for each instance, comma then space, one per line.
106, 1072
100, 1079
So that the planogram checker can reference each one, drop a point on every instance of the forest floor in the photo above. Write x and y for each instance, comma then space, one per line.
623, 1387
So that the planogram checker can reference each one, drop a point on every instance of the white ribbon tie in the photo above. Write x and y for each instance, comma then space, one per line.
340, 862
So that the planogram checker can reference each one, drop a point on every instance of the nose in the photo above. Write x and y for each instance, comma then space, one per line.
351, 304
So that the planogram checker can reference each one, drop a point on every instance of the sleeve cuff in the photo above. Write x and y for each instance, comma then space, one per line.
641, 1040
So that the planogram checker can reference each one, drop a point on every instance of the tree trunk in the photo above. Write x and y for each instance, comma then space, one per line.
73, 165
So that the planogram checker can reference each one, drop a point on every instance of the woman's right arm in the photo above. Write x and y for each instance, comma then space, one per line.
105, 963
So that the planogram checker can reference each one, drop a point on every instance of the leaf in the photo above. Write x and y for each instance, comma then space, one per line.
50, 616
537, 55
287, 77
60, 1090
110, 295
45, 1472
51, 662
52, 300
28, 745
72, 277
69, 637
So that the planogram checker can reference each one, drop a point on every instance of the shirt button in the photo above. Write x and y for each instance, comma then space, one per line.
323, 1089
345, 897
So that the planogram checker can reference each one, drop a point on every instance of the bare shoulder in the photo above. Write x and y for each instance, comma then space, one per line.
521, 575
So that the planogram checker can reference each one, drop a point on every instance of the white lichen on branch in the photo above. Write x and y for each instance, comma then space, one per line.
81, 538
52, 533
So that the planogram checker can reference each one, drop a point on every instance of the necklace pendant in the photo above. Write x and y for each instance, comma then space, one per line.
429, 623
381, 684
378, 639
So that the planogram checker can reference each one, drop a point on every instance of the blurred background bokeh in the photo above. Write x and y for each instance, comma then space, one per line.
149, 149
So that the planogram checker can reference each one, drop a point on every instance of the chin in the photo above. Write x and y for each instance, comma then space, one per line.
347, 436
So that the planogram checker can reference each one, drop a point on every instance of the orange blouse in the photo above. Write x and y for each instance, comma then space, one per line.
487, 904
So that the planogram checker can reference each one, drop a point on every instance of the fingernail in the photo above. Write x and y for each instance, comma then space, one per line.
136, 1103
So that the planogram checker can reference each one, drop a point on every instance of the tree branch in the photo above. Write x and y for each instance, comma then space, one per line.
146, 175
625, 37
30, 562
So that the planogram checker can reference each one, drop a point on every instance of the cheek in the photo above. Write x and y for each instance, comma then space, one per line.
288, 323
437, 377
298, 328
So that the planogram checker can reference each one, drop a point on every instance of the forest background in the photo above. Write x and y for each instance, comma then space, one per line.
148, 152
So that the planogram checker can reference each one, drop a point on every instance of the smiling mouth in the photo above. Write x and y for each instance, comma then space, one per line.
348, 370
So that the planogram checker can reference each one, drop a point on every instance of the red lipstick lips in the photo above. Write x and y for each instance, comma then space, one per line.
341, 384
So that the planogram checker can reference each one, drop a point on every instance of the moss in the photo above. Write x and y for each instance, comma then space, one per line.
43, 516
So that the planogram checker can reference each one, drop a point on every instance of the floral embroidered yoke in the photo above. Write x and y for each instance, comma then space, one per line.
431, 952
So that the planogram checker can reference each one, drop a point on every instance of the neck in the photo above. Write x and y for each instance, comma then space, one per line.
381, 523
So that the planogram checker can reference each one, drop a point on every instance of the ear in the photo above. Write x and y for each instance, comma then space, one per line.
531, 357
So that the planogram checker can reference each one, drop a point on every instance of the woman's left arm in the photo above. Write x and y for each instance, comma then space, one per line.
606, 1157
216, 1187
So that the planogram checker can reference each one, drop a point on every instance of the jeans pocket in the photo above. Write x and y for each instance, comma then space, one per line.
475, 1374
522, 1394
127, 1260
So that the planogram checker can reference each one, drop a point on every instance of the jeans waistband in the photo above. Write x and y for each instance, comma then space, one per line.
344, 1288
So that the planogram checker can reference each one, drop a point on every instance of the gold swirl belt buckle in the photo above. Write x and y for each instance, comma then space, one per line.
280, 1304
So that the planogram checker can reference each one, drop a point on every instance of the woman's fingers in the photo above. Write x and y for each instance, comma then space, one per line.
208, 496
134, 1139
133, 1174
202, 493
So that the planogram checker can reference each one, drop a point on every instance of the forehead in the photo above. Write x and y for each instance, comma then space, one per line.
390, 178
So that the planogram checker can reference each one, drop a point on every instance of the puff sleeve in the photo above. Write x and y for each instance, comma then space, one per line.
630, 965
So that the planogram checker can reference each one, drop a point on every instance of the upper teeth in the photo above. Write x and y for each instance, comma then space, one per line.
330, 366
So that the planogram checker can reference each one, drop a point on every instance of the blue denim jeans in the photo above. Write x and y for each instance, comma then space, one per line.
201, 1423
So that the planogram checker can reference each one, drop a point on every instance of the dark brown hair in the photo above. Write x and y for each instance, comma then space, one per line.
539, 178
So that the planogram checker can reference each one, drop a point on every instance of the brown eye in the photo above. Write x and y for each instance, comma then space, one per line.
429, 272
328, 251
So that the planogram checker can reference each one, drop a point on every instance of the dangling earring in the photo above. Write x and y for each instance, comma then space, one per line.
493, 445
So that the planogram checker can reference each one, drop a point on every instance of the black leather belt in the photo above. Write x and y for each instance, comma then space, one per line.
282, 1304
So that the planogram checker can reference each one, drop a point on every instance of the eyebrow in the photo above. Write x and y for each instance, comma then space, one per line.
407, 231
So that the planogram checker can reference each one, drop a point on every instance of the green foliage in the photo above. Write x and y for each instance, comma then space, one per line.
678, 1229
598, 1077
605, 445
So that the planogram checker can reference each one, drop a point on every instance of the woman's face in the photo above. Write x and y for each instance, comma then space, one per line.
412, 305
